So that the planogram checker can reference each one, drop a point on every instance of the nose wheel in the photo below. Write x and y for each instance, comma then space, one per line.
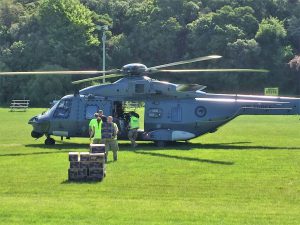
49, 141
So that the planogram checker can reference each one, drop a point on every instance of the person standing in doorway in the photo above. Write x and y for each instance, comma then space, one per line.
133, 128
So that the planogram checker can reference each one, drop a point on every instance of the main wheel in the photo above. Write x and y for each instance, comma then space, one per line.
49, 141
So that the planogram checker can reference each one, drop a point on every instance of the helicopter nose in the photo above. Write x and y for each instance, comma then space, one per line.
33, 120
40, 127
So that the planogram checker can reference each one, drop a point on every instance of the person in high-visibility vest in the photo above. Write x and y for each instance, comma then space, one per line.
91, 124
97, 134
133, 129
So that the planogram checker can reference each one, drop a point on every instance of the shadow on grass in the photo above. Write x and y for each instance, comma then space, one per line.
185, 158
198, 146
223, 146
33, 153
61, 146
171, 146
65, 147
82, 181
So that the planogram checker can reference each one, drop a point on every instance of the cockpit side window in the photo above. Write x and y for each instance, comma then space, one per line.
63, 109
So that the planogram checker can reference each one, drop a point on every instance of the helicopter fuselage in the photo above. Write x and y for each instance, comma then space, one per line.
169, 115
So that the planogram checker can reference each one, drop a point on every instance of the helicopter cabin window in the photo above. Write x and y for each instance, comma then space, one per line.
63, 109
90, 110
139, 88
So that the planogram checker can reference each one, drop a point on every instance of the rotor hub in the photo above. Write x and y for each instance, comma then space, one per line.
134, 69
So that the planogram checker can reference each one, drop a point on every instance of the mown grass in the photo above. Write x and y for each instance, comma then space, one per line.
246, 173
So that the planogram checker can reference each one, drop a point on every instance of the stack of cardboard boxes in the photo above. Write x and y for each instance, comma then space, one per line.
87, 166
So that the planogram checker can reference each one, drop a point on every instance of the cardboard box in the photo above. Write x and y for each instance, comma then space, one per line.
73, 174
95, 178
77, 174
84, 156
107, 136
82, 173
87, 166
96, 165
97, 157
96, 172
74, 165
84, 164
107, 130
97, 148
73, 156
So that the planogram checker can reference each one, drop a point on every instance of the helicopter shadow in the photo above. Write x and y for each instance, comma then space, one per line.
185, 146
145, 149
62, 146
239, 147
151, 150
191, 159
178, 146
33, 153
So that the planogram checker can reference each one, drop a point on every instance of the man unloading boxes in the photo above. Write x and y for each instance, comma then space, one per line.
109, 134
91, 124
96, 131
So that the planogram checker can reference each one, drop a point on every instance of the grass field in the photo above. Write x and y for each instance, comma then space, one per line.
246, 173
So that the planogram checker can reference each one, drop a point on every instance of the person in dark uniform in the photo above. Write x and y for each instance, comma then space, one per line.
103, 117
110, 131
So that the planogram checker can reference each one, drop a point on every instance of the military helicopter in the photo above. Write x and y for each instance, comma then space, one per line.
173, 112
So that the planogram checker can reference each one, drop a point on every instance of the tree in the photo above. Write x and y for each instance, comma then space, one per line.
294, 31
271, 36
212, 32
64, 34
37, 34
10, 12
41, 90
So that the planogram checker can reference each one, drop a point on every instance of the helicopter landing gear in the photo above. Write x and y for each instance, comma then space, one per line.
160, 144
49, 141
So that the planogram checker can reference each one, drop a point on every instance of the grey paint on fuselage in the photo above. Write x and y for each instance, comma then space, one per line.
169, 114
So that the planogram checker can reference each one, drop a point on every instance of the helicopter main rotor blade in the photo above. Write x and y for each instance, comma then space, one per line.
89, 72
190, 87
97, 78
210, 57
215, 70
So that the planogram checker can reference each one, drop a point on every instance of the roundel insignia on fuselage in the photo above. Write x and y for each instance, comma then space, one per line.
200, 111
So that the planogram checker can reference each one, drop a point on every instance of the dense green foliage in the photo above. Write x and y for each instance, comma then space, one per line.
246, 173
35, 35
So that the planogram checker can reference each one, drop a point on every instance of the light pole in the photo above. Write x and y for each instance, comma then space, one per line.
103, 29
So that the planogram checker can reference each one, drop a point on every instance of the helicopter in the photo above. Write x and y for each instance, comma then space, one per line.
172, 112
